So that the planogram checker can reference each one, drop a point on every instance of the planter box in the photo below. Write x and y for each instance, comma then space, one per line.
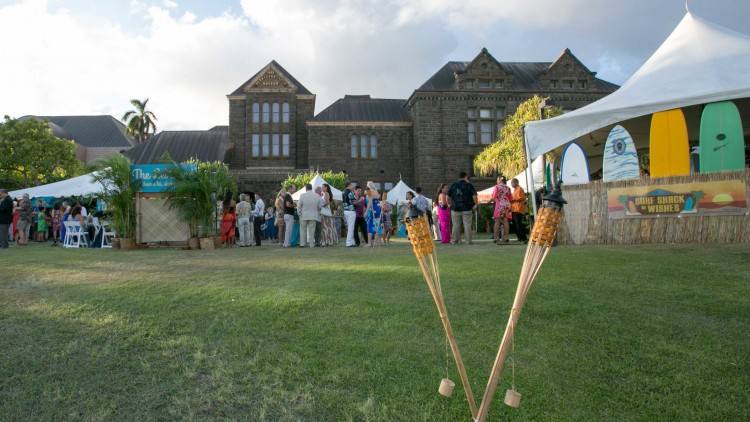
194, 243
207, 243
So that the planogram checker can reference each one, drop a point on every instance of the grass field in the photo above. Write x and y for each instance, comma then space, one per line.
641, 333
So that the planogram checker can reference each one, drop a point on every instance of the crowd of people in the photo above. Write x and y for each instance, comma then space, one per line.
23, 222
364, 217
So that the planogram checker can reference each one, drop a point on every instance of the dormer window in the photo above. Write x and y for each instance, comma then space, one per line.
485, 84
582, 84
499, 83
553, 83
570, 84
484, 65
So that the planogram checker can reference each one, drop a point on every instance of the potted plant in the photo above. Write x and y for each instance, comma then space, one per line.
119, 190
194, 183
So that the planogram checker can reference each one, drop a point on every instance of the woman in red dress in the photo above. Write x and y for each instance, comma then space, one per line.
228, 220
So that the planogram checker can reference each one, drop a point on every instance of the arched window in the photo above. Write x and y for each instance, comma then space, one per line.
256, 145
285, 145
275, 145
373, 146
256, 113
266, 113
285, 112
355, 146
275, 112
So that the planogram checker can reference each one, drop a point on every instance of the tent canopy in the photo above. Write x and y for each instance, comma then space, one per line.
700, 62
76, 186
316, 182
397, 195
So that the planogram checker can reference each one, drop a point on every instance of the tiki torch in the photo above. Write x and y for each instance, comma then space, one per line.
542, 236
424, 250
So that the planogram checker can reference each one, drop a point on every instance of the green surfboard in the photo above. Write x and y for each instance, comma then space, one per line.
722, 144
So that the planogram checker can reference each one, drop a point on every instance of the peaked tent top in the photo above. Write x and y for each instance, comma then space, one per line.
75, 186
315, 182
397, 195
700, 62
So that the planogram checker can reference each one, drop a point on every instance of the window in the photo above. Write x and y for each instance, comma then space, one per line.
285, 112
256, 113
499, 83
275, 112
553, 83
275, 145
285, 145
388, 186
364, 146
485, 113
256, 145
266, 113
569, 84
265, 145
582, 84
472, 130
485, 84
373, 146
355, 146
471, 113
486, 129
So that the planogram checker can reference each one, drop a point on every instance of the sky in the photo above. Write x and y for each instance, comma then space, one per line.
70, 57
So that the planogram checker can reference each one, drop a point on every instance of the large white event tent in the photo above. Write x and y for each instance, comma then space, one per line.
397, 195
75, 186
316, 182
700, 62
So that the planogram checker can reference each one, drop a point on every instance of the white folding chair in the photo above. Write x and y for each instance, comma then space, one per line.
79, 238
107, 236
68, 232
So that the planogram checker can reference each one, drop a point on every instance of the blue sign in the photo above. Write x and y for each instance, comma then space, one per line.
154, 177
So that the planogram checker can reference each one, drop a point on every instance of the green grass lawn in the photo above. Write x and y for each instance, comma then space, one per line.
608, 334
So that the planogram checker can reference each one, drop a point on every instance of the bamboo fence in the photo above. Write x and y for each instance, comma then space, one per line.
586, 221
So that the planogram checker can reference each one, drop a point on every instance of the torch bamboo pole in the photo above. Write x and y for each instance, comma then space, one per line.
425, 252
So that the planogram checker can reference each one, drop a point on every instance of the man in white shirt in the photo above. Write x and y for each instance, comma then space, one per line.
309, 215
259, 215
244, 224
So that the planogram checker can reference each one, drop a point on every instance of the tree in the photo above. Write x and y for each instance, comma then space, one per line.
141, 122
194, 182
30, 155
507, 155
119, 190
335, 179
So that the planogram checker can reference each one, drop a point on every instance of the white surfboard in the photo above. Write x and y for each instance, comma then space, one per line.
574, 168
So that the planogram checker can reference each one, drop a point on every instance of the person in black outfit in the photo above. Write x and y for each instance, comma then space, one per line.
360, 225
6, 216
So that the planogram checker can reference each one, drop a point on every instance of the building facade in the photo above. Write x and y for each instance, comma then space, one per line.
425, 140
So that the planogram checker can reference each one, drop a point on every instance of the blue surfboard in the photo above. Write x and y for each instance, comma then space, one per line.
620, 157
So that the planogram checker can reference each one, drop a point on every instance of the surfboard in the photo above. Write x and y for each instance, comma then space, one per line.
620, 157
574, 169
722, 143
669, 149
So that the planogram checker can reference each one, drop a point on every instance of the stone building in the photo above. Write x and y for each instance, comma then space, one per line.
426, 139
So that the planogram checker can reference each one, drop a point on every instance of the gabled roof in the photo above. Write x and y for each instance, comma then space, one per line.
102, 131
274, 64
181, 145
362, 108
525, 75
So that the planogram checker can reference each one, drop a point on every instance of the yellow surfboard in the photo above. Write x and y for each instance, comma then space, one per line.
669, 148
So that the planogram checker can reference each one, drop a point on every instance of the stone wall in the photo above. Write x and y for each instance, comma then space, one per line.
265, 181
330, 149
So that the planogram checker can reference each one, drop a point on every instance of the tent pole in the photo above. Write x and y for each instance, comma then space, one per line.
529, 173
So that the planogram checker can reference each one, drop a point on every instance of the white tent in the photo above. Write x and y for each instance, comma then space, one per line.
397, 195
700, 62
316, 182
75, 186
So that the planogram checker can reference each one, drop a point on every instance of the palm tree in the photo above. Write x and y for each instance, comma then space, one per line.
141, 122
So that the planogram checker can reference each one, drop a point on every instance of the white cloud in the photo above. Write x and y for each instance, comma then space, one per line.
58, 62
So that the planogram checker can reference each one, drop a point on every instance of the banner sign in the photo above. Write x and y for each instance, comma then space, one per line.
725, 197
153, 176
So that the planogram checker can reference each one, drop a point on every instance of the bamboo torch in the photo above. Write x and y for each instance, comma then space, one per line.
424, 250
542, 236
